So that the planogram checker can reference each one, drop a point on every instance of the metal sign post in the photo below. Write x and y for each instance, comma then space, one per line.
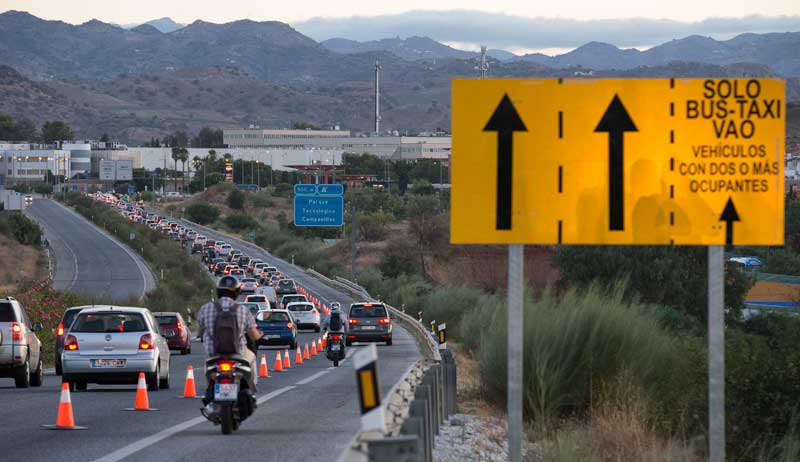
716, 354
516, 253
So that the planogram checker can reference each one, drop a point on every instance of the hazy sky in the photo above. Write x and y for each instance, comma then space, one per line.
133, 11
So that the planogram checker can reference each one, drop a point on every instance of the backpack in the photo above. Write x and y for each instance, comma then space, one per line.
335, 323
226, 331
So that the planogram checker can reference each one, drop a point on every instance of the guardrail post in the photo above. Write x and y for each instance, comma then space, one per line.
415, 426
403, 448
420, 407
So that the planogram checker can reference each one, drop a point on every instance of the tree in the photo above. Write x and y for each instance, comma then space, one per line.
183, 155
104, 138
202, 213
427, 227
208, 138
176, 155
304, 126
56, 130
423, 188
236, 199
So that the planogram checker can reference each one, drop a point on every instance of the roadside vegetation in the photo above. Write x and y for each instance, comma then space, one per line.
615, 337
181, 283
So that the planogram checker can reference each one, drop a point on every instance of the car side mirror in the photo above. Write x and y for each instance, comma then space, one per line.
37, 326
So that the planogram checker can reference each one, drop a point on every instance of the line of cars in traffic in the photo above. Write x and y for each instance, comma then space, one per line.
108, 344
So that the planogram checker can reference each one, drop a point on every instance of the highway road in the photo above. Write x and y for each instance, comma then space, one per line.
88, 260
308, 413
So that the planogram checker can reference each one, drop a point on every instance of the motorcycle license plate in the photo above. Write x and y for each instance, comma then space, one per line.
335, 347
226, 391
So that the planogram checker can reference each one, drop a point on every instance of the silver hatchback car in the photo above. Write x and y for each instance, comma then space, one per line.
112, 345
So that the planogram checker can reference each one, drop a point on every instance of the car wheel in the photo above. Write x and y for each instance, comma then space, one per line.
37, 376
80, 385
152, 379
59, 371
389, 342
348, 342
185, 351
22, 378
316, 328
71, 384
293, 346
164, 383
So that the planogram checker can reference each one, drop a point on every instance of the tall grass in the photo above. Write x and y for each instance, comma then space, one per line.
573, 346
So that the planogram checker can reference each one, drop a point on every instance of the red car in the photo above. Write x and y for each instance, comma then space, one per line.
174, 329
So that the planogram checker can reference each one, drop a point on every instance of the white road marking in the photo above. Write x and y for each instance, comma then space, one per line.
312, 378
143, 443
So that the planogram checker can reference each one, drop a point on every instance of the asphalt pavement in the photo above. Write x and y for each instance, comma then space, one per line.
88, 260
308, 413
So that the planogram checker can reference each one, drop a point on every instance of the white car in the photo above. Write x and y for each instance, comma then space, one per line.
261, 300
200, 239
305, 315
113, 344
249, 285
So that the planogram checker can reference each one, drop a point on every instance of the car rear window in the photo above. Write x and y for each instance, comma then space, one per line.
274, 316
109, 322
258, 299
254, 309
167, 320
286, 282
361, 311
248, 280
299, 307
69, 316
294, 298
7, 312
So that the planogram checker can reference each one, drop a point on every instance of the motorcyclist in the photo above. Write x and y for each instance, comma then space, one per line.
228, 289
335, 324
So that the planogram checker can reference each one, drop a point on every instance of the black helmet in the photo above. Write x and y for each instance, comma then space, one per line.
228, 286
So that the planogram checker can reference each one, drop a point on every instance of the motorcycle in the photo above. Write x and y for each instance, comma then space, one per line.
334, 350
228, 398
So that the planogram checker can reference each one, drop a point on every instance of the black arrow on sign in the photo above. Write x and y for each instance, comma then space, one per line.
729, 215
505, 121
616, 122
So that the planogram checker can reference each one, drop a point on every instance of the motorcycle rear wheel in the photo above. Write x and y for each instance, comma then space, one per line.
226, 419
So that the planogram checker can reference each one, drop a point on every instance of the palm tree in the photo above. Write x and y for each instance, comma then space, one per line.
176, 154
184, 156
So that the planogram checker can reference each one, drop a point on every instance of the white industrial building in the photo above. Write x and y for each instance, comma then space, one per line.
396, 147
31, 163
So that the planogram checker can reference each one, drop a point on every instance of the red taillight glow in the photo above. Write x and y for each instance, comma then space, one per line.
313, 312
335, 337
146, 342
71, 343
180, 326
384, 321
290, 325
16, 332
225, 367
60, 330
352, 321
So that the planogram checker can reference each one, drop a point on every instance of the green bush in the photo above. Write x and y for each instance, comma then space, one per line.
373, 226
262, 200
575, 345
43, 188
283, 190
24, 230
236, 199
240, 221
202, 213
399, 257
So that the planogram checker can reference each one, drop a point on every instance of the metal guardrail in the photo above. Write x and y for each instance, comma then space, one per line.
778, 278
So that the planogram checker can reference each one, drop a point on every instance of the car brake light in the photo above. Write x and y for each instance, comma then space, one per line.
367, 305
351, 336
71, 343
146, 342
352, 321
60, 330
225, 367
313, 312
384, 321
180, 326
290, 325
16, 332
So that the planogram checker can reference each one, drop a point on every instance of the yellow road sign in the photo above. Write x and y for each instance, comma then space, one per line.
618, 161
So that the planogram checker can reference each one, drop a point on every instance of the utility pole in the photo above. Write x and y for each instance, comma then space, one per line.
377, 98
353, 245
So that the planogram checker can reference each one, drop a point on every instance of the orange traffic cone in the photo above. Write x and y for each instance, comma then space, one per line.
305, 353
278, 365
141, 403
189, 388
286, 363
324, 342
262, 369
313, 348
298, 357
64, 419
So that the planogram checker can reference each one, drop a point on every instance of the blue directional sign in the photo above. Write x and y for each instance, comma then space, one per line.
318, 205
305, 189
131, 190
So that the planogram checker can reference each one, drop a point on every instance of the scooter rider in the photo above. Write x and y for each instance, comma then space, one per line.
228, 289
335, 324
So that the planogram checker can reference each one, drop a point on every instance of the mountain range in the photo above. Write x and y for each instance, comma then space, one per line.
140, 82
